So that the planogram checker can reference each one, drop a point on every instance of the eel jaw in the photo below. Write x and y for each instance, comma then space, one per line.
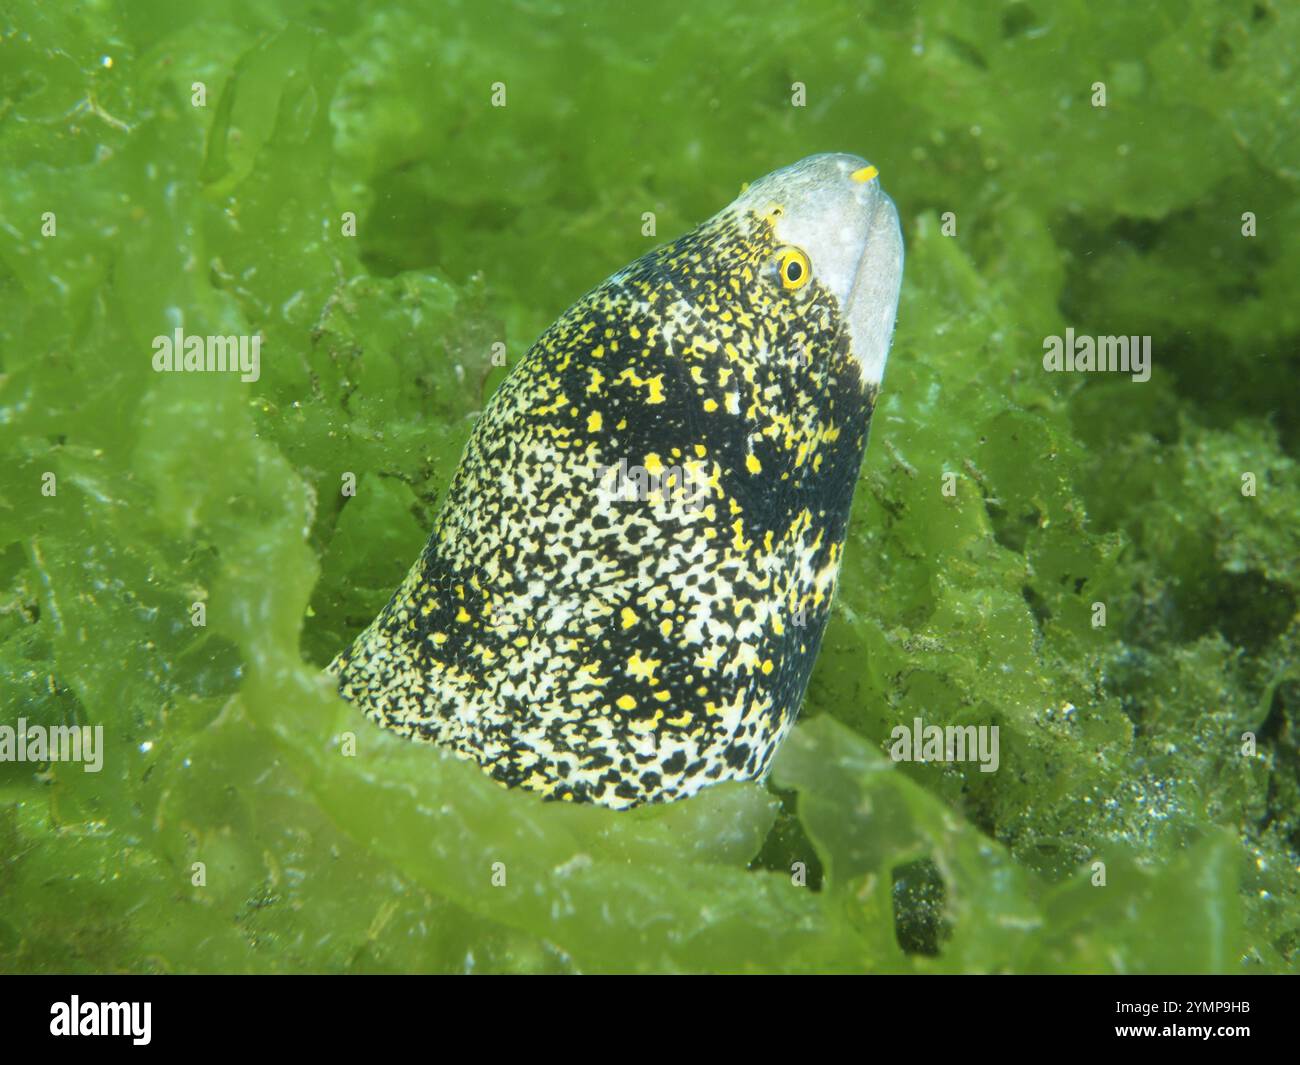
873, 298
832, 207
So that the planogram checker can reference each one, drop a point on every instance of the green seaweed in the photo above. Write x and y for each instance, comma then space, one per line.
1145, 816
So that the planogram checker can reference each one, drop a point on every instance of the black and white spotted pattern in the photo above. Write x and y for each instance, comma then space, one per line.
632, 639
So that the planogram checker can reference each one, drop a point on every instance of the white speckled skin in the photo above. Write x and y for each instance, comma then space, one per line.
620, 648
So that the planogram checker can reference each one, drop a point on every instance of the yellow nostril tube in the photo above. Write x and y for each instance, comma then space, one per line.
865, 174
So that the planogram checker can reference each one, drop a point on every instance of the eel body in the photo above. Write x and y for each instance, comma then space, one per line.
627, 583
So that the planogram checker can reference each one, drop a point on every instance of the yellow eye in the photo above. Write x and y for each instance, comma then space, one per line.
794, 268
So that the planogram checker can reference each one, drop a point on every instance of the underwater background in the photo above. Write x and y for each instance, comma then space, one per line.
1145, 815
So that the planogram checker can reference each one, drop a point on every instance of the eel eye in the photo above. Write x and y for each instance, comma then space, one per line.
794, 268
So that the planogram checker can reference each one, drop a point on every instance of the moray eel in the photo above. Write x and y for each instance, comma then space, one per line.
627, 582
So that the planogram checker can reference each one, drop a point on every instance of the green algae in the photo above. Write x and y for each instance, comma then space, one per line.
1121, 745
